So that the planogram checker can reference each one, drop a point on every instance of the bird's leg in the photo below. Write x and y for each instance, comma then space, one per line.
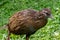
27, 37
8, 37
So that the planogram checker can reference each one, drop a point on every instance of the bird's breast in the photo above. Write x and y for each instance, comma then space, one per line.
39, 24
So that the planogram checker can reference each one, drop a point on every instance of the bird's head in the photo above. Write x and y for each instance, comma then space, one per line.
46, 12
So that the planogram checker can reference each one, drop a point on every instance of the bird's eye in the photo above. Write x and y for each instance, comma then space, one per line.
47, 13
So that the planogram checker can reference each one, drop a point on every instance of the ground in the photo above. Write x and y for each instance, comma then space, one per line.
50, 32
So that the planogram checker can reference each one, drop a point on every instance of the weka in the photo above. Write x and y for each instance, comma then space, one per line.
28, 22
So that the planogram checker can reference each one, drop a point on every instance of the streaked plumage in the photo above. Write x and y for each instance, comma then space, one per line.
28, 21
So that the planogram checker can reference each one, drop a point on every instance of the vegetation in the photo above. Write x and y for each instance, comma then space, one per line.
50, 32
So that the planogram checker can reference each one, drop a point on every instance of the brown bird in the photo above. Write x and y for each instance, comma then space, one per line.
28, 22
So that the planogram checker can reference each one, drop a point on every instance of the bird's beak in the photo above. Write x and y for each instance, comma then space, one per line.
51, 16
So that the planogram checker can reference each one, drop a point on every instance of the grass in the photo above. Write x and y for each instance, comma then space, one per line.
50, 32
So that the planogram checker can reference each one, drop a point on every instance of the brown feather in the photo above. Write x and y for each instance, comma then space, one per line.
26, 22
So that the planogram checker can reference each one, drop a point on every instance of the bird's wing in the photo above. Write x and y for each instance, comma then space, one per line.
21, 18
